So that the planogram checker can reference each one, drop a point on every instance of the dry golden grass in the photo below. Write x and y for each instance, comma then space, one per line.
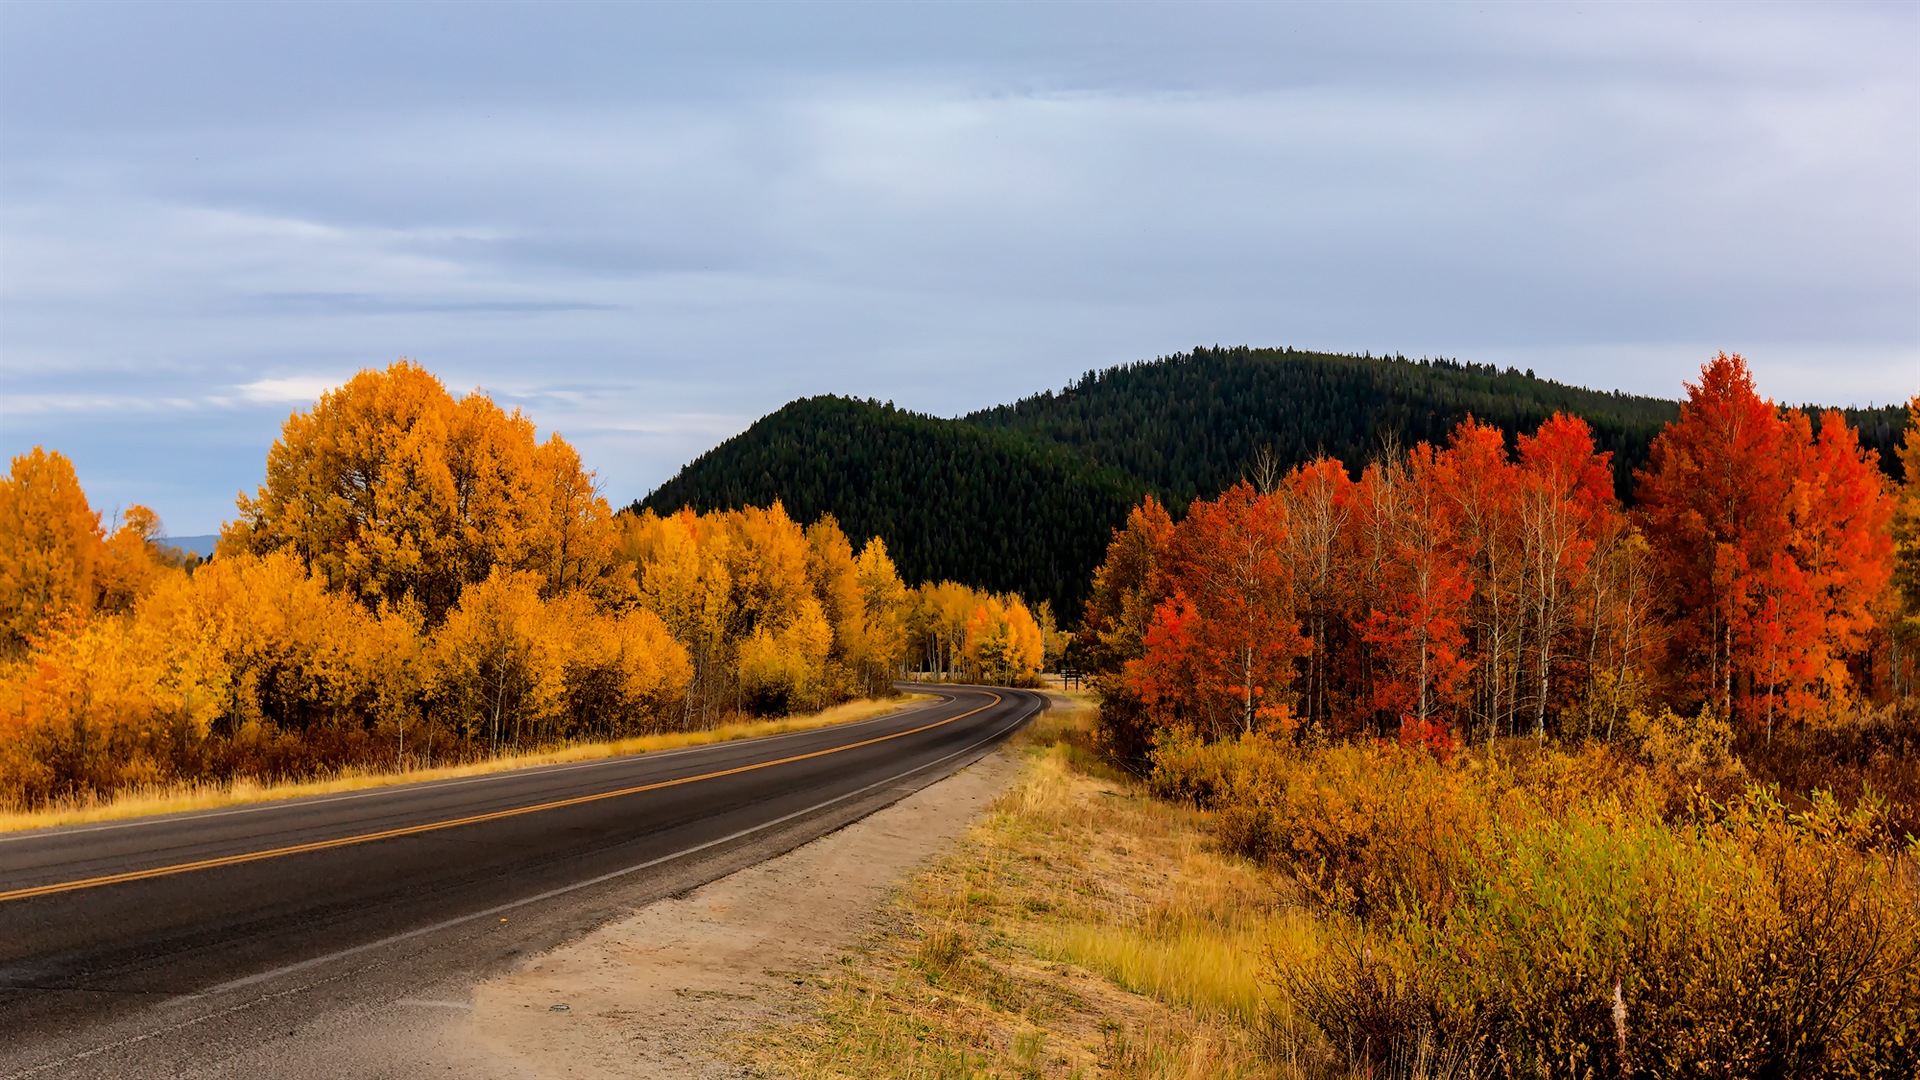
207, 796
1081, 930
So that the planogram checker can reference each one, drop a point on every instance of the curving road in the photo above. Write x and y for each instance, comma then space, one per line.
231, 942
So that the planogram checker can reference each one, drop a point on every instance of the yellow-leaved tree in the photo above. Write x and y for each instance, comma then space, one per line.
49, 543
1004, 644
880, 640
499, 662
390, 488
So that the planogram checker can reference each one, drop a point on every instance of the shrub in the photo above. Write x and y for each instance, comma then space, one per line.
1542, 913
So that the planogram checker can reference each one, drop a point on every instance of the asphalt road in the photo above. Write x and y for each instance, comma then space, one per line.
201, 944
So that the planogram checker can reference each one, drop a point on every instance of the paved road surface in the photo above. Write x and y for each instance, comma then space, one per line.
196, 943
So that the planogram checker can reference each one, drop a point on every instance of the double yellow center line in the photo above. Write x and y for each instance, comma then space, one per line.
474, 819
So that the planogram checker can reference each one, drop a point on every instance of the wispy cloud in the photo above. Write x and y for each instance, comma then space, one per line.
295, 389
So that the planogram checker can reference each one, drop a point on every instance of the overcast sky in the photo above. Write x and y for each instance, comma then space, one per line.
648, 225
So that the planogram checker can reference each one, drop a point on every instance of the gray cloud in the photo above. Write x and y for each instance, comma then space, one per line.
647, 225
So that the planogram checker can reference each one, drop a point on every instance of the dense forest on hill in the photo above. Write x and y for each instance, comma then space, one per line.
952, 501
1188, 425
1023, 496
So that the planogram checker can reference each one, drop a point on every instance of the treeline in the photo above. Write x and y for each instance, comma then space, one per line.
1461, 591
1021, 497
952, 501
421, 580
1191, 425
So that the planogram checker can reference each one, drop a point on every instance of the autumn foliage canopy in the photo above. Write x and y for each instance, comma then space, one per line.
1476, 589
421, 578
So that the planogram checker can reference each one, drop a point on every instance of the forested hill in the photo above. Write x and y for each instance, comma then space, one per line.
1188, 425
953, 501
1023, 496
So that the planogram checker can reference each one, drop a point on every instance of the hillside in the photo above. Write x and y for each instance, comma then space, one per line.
1188, 425
952, 500
1022, 496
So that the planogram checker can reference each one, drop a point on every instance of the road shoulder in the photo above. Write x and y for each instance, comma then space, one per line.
657, 993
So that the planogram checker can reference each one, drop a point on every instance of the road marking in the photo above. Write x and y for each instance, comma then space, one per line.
298, 801
474, 819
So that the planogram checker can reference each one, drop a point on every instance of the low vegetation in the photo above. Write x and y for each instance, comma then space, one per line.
1257, 908
1520, 911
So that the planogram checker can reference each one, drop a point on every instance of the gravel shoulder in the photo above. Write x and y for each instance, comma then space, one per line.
654, 994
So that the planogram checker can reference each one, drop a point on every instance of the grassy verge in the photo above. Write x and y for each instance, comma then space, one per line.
1082, 929
205, 796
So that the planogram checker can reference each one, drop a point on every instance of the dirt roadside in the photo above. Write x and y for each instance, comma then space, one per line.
650, 995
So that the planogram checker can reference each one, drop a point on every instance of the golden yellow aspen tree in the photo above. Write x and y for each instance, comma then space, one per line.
1053, 640
49, 542
576, 545
77, 718
294, 652
785, 639
685, 578
938, 626
653, 669
389, 488
359, 487
1003, 642
497, 669
179, 624
781, 664
769, 564
384, 668
128, 562
883, 619
835, 579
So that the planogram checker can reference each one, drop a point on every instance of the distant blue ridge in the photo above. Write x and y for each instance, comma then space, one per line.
197, 545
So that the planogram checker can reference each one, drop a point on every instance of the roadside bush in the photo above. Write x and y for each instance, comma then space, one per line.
1538, 913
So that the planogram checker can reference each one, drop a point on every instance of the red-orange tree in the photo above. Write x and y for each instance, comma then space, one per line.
1418, 579
1773, 544
1220, 651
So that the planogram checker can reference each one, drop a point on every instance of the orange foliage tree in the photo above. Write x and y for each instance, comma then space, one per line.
1905, 639
1219, 654
49, 542
1774, 544
391, 488
1417, 583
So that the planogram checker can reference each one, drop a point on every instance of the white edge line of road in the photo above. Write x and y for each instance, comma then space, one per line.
437, 785
288, 969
